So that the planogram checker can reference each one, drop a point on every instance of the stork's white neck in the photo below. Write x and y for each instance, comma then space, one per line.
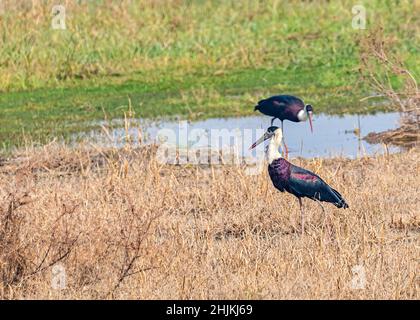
273, 152
302, 115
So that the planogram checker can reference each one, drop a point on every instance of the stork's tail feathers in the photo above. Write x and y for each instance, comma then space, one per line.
341, 203
258, 106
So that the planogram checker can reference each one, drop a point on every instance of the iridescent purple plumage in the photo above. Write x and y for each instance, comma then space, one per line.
279, 171
302, 183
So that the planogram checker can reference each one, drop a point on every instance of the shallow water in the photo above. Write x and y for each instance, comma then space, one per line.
332, 136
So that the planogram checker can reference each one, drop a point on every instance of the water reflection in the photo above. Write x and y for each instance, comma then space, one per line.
333, 135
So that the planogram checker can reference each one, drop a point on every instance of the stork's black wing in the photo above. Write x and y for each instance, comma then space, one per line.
304, 183
271, 106
281, 106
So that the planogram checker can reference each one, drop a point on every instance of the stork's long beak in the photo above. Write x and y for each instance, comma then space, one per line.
266, 136
310, 120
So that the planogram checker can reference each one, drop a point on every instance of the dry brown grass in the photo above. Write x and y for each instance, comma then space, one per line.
124, 226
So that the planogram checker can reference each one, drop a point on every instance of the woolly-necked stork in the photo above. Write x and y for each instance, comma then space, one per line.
285, 107
293, 179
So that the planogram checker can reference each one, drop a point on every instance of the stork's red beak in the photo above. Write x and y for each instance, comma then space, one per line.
310, 121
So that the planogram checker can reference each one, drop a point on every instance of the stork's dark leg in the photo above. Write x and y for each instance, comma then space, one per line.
326, 224
302, 217
272, 121
286, 150
320, 204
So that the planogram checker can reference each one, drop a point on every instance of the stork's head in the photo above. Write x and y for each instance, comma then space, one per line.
272, 132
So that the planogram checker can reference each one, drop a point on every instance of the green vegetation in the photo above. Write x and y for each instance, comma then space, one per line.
191, 58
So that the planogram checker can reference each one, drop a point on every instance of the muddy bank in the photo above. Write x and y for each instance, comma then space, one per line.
406, 136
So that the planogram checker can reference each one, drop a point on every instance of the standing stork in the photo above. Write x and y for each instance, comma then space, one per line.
285, 107
293, 179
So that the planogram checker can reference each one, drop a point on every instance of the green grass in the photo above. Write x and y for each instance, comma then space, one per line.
218, 62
